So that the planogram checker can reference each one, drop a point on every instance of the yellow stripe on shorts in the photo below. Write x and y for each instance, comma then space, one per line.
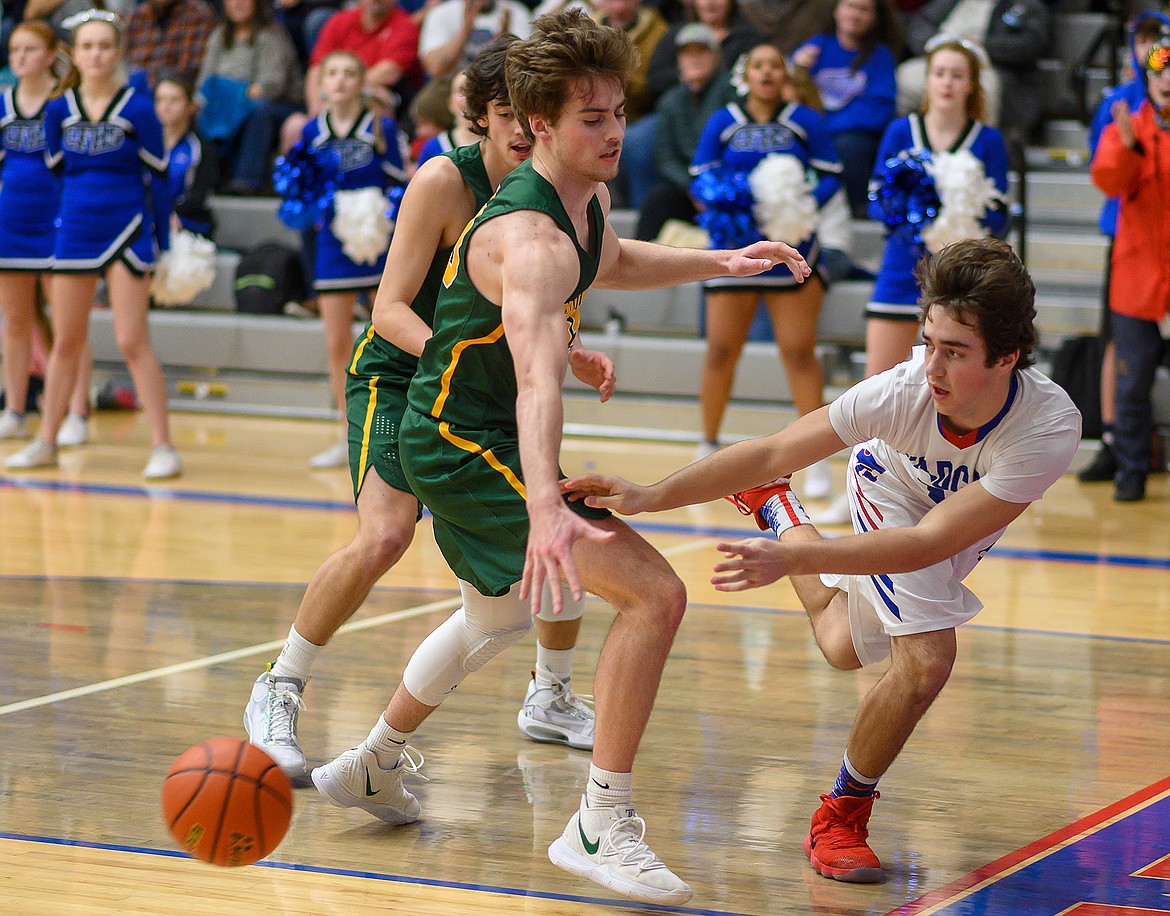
357, 354
366, 425
468, 446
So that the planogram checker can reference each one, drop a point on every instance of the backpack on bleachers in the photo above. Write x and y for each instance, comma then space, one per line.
267, 277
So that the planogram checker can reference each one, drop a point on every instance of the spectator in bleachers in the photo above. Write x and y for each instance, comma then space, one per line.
455, 31
1133, 164
250, 84
645, 27
370, 151
1015, 35
789, 23
431, 117
736, 37
11, 13
113, 219
951, 122
682, 113
1143, 31
192, 165
303, 20
853, 71
459, 133
169, 35
737, 139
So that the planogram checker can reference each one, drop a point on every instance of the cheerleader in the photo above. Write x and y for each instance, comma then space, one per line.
106, 140
737, 138
192, 166
29, 197
368, 150
950, 121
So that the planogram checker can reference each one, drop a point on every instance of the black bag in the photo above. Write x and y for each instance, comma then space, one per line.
267, 277
1077, 369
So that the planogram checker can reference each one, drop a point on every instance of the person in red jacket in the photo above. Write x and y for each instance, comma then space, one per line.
1133, 163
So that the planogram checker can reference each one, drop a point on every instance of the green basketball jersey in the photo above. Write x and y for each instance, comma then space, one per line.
466, 377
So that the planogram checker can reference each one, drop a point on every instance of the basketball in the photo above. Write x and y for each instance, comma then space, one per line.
226, 802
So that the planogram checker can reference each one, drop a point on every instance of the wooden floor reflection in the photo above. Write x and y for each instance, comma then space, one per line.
133, 621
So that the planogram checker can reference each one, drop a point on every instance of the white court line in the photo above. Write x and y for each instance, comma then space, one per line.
447, 604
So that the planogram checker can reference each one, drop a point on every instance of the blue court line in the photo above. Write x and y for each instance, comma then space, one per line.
380, 876
328, 505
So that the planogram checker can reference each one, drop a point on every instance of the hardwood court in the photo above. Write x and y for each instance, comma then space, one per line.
133, 621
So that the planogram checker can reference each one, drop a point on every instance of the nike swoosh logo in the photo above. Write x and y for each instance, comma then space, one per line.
603, 785
370, 789
590, 848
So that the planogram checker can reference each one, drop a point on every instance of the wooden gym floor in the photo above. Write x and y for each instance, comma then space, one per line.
133, 620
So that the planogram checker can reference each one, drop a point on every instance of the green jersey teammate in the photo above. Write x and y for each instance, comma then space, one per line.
482, 432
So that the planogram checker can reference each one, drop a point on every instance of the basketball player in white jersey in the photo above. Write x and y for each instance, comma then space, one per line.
948, 448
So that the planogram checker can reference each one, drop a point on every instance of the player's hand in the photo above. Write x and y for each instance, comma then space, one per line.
595, 369
761, 256
549, 555
749, 564
602, 491
1124, 122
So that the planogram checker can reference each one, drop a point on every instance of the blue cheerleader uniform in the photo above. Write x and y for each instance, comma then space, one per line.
361, 167
732, 141
191, 174
115, 203
29, 192
895, 292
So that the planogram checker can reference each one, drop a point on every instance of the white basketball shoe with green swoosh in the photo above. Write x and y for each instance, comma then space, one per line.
354, 780
608, 846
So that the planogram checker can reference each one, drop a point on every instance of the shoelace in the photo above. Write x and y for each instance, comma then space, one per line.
578, 704
283, 706
411, 761
626, 840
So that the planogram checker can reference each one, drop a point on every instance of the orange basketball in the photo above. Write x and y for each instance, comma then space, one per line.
227, 802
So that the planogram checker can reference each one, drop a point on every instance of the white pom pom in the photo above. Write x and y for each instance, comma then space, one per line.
785, 208
361, 224
183, 271
965, 193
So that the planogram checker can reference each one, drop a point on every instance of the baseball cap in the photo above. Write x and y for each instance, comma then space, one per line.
696, 33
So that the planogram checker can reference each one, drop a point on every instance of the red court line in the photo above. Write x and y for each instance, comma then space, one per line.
1032, 850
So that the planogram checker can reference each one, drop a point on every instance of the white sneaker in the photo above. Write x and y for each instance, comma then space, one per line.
607, 846
557, 715
164, 463
354, 780
818, 480
37, 454
74, 431
838, 512
13, 426
336, 456
705, 449
270, 719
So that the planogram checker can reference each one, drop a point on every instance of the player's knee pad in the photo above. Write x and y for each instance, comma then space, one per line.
465, 642
572, 609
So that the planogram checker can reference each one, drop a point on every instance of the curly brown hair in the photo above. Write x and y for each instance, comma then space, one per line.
485, 81
564, 49
983, 284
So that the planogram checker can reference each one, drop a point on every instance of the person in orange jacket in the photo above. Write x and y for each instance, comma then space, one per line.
1133, 163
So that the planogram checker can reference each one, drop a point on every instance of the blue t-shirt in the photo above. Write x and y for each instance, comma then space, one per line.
861, 100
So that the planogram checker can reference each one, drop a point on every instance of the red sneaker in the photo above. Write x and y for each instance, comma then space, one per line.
751, 502
836, 845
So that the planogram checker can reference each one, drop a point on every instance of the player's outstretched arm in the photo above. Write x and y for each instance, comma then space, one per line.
431, 212
959, 521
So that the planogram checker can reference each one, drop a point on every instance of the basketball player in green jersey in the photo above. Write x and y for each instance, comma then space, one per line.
481, 441
440, 200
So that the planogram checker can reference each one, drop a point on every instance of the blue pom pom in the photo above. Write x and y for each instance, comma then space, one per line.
394, 195
906, 195
306, 181
727, 200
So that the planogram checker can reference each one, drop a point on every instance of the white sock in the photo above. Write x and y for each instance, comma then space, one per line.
297, 657
784, 511
607, 789
552, 663
387, 743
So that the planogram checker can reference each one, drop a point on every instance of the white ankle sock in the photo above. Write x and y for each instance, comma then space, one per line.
297, 657
607, 789
553, 663
386, 742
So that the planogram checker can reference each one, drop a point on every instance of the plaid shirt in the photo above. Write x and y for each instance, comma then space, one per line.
172, 41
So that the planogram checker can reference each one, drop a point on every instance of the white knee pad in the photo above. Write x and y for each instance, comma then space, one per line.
465, 642
571, 608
